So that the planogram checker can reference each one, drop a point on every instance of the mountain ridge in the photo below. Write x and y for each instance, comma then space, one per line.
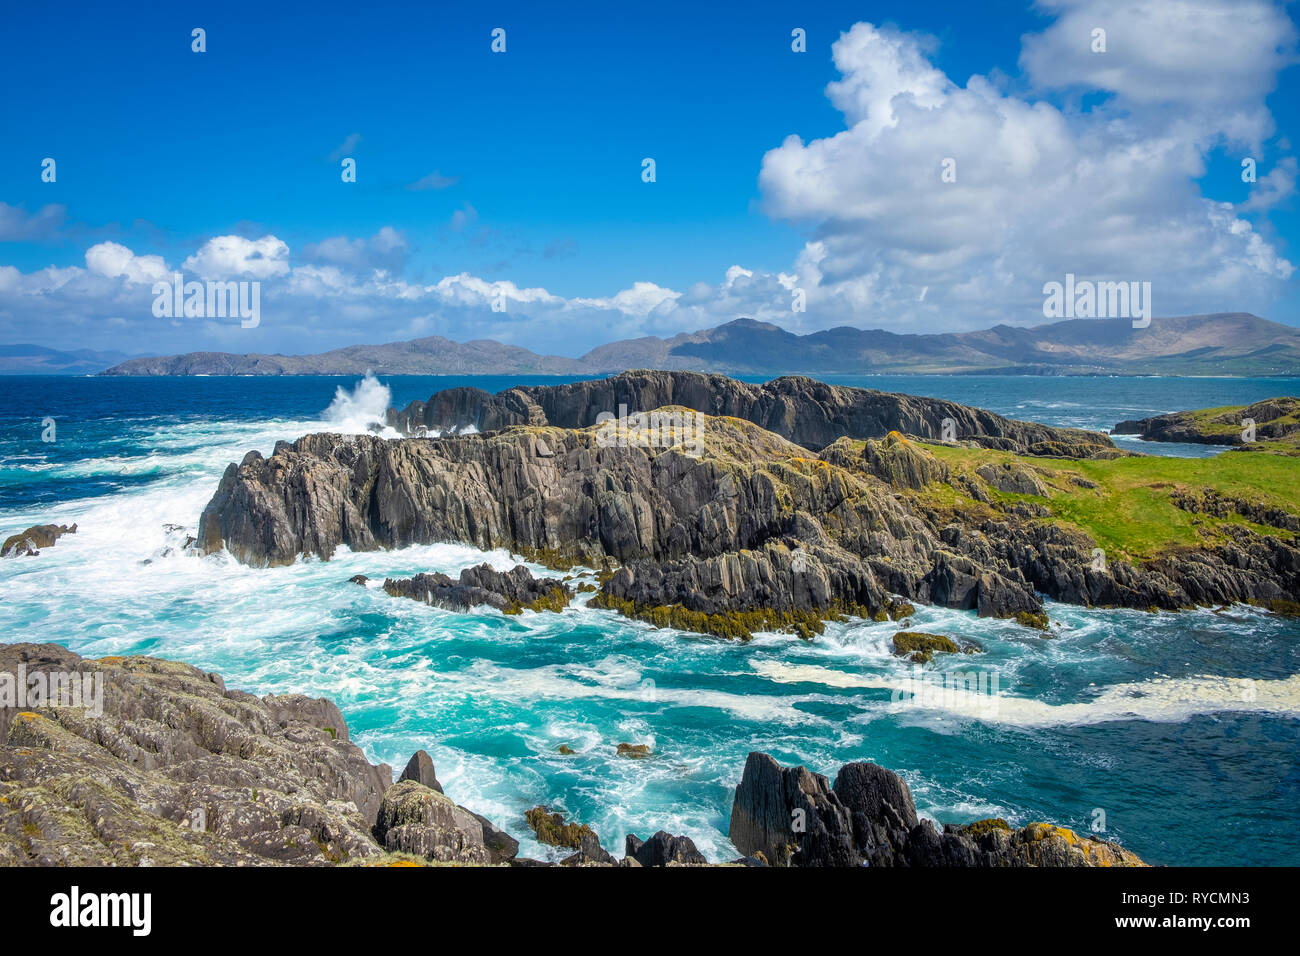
1226, 343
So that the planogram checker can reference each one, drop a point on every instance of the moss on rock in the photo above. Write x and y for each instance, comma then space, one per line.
553, 831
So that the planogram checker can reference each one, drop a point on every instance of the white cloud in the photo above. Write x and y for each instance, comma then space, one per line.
1275, 186
388, 249
1209, 62
112, 260
225, 257
1039, 192
640, 300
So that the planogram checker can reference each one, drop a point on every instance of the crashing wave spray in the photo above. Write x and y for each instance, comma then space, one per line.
363, 409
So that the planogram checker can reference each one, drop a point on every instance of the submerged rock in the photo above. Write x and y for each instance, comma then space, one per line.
551, 828
919, 647
790, 816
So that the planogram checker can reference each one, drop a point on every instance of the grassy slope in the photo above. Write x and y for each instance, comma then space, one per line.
1131, 512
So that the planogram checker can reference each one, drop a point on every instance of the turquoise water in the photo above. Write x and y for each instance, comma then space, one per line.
1181, 728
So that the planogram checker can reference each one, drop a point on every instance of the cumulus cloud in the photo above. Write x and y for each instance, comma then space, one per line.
1210, 62
1036, 191
112, 260
226, 257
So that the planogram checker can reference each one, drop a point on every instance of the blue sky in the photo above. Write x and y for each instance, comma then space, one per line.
538, 154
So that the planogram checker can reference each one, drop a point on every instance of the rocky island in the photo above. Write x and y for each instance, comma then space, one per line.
728, 508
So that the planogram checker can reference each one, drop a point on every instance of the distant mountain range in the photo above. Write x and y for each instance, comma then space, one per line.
1221, 344
38, 360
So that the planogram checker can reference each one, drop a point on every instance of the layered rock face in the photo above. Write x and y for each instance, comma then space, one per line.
753, 523
803, 410
164, 766
792, 817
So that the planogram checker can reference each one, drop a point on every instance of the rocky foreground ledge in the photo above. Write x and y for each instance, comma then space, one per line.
167, 767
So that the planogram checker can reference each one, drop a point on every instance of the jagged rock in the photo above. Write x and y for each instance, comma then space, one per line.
551, 828
803, 410
508, 591
920, 647
415, 819
1274, 418
420, 769
901, 463
752, 535
501, 845
663, 849
1013, 479
634, 751
31, 541
792, 817
590, 853
358, 579
177, 770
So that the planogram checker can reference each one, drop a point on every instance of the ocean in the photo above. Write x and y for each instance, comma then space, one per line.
1175, 734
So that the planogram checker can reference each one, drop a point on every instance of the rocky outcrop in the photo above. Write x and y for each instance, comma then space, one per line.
751, 534
919, 647
417, 820
509, 591
663, 849
792, 817
420, 769
550, 828
803, 410
30, 542
1274, 418
1012, 479
157, 763
177, 770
